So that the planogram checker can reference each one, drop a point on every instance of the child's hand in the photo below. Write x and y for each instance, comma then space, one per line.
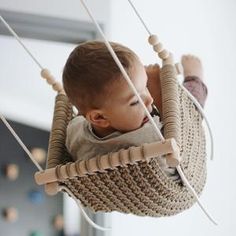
153, 83
192, 66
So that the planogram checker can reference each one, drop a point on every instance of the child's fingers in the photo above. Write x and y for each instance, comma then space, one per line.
152, 66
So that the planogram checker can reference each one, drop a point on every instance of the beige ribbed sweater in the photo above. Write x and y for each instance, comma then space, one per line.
83, 144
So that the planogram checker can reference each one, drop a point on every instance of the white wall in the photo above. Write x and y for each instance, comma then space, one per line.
24, 96
206, 28
59, 8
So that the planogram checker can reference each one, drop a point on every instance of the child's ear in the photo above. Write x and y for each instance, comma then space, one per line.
97, 118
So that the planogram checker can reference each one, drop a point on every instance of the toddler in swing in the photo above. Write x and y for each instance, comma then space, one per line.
111, 117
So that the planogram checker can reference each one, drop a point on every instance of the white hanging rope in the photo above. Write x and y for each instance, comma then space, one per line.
140, 18
41, 169
188, 93
184, 179
2, 117
195, 194
205, 118
20, 142
82, 210
19, 40
127, 78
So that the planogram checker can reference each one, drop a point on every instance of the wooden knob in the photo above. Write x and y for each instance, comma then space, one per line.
172, 160
10, 214
12, 171
52, 188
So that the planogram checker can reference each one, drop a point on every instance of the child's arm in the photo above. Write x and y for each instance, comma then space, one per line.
193, 78
197, 88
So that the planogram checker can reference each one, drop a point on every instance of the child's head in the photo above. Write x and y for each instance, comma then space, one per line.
95, 85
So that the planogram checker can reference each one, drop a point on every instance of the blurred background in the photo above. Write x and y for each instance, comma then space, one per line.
51, 29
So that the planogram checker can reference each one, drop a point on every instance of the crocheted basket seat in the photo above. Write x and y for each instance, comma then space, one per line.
140, 188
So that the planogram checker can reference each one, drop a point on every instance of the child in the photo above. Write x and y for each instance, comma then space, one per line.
112, 117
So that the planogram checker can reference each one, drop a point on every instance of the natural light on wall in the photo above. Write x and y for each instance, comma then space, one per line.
25, 96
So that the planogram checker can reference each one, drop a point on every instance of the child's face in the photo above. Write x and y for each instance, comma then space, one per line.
123, 109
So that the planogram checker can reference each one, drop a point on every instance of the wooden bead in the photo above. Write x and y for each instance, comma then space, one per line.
153, 39
163, 54
57, 87
45, 73
12, 171
10, 214
39, 154
158, 47
51, 80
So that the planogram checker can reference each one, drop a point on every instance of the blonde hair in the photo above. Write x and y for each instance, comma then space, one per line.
90, 70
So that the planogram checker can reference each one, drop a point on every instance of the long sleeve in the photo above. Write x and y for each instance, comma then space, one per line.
197, 88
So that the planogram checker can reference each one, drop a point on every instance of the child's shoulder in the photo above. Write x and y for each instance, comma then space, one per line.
76, 123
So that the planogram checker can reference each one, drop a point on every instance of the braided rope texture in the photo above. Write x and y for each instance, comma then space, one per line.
143, 188
57, 154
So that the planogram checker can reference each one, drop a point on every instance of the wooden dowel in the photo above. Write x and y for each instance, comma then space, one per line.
112, 160
46, 176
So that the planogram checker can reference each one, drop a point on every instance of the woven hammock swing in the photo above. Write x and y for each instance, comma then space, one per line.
131, 180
